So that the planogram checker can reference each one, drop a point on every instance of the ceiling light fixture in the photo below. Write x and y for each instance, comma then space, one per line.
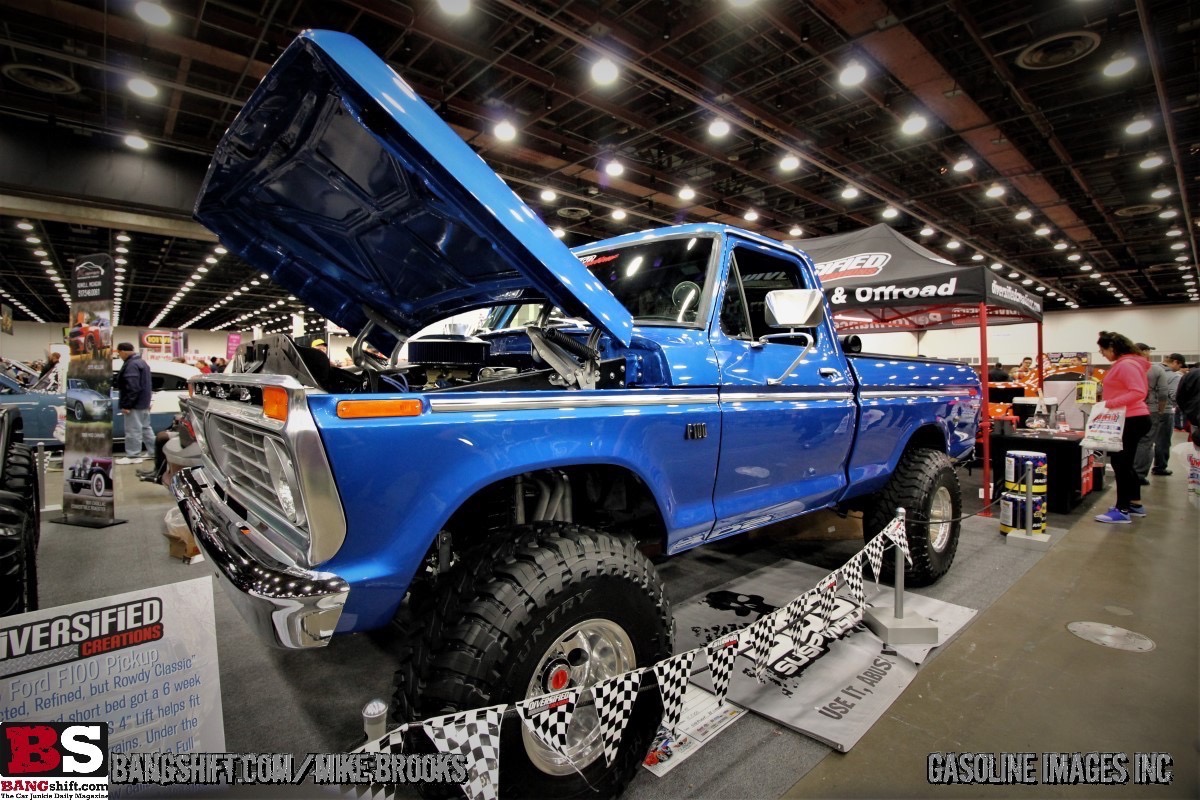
142, 87
1042, 231
977, 257
953, 244
997, 266
1174, 232
1176, 246
927, 231
995, 190
25, 226
1139, 125
1120, 65
890, 213
1014, 274
504, 131
963, 164
1074, 257
914, 124
1170, 213
604, 72
718, 128
789, 163
1027, 282
618, 214
1023, 214
136, 142
1151, 161
687, 193
548, 195
1161, 193
849, 193
750, 216
614, 168
558, 232
152, 13
1060, 245
796, 230
853, 74
455, 8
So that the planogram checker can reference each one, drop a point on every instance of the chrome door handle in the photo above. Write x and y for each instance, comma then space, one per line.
829, 372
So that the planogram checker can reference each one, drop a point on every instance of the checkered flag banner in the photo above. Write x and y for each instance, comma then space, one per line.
761, 635
476, 734
794, 611
851, 575
614, 703
548, 717
895, 531
721, 654
391, 742
826, 589
874, 553
673, 676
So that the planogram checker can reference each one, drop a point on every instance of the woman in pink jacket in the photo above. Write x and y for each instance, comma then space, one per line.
1126, 386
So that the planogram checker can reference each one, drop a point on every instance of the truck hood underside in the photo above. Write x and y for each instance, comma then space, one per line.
339, 182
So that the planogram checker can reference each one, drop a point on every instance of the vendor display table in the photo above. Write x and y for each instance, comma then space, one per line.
1068, 466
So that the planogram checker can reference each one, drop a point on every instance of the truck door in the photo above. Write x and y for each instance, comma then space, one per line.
785, 438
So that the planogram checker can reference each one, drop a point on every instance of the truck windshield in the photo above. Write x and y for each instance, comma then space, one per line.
660, 282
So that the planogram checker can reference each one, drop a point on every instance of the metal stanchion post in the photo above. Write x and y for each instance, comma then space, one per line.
900, 626
1029, 498
898, 604
374, 716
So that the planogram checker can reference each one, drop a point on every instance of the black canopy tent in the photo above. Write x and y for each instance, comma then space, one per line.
877, 280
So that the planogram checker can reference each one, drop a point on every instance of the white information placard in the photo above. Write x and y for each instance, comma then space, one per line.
144, 663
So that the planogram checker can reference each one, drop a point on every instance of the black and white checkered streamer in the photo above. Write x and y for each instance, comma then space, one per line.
851, 575
761, 635
673, 676
874, 553
548, 717
826, 589
476, 734
895, 532
614, 703
392, 743
721, 653
795, 611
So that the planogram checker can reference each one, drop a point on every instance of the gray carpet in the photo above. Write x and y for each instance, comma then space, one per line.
300, 702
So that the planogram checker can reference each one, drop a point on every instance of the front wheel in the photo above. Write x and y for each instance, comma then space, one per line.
926, 486
553, 607
78, 412
99, 484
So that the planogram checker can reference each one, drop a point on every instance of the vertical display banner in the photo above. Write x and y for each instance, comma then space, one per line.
138, 670
88, 498
232, 342
6, 320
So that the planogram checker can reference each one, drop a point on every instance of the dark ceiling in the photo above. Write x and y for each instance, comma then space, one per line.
1016, 86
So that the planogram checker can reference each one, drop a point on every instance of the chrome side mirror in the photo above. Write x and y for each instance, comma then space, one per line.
795, 308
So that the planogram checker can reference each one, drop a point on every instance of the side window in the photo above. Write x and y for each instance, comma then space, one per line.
156, 382
173, 383
735, 323
759, 273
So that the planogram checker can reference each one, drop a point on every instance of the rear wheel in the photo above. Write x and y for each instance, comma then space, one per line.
553, 606
926, 486
98, 485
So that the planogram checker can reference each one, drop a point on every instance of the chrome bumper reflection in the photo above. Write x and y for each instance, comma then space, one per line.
287, 605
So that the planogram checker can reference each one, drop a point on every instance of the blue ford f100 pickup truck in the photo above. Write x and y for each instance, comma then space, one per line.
493, 496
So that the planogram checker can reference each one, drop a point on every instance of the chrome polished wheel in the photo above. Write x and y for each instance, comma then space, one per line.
941, 511
586, 654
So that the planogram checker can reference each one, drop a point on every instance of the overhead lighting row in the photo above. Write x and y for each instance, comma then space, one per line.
195, 278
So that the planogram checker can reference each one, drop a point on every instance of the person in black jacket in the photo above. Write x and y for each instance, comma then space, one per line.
134, 390
1187, 397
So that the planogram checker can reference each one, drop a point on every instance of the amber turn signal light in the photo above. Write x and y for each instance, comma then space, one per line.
275, 402
361, 409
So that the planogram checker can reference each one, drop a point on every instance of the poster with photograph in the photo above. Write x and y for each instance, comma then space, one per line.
6, 322
88, 455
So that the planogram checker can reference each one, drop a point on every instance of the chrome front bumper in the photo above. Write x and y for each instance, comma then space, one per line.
287, 605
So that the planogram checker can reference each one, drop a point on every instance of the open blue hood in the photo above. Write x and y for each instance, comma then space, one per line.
339, 182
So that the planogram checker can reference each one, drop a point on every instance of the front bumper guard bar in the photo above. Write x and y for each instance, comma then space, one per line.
288, 606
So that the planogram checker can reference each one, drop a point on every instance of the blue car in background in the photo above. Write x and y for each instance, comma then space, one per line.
44, 408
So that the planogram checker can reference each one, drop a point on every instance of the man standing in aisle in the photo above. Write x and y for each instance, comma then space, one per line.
1176, 367
1157, 400
134, 391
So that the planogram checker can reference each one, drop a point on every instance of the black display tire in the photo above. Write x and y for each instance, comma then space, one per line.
18, 587
483, 631
924, 479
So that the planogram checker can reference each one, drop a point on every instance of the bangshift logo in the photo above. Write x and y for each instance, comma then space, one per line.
35, 750
860, 265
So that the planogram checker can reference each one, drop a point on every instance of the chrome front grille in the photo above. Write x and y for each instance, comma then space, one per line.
240, 453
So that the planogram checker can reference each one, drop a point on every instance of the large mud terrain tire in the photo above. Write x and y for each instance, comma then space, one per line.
543, 607
926, 486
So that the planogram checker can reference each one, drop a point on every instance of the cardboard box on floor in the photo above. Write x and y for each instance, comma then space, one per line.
181, 543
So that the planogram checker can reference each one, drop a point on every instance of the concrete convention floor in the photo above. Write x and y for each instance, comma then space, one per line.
1015, 679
